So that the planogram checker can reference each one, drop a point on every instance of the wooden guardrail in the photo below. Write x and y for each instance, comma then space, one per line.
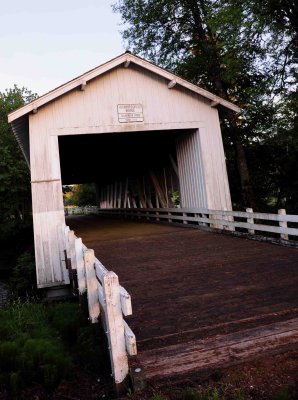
107, 301
81, 210
249, 221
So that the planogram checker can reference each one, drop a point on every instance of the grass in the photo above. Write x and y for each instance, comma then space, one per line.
209, 391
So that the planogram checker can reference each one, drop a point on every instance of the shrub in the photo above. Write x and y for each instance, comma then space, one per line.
66, 319
23, 280
30, 349
193, 395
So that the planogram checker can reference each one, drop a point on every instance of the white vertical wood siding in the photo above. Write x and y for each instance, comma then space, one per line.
191, 172
95, 109
47, 205
213, 157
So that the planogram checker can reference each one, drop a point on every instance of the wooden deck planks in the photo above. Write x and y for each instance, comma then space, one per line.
199, 299
219, 350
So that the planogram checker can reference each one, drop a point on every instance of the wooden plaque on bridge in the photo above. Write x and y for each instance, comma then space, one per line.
130, 113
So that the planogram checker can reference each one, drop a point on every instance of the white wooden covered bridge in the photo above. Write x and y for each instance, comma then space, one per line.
125, 122
141, 133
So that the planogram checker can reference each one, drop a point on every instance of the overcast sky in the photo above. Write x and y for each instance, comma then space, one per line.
44, 44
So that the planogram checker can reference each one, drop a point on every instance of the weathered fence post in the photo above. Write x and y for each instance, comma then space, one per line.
71, 255
115, 327
67, 252
283, 224
250, 220
80, 266
92, 284
62, 248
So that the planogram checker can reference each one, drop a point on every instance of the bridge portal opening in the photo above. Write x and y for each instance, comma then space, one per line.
131, 169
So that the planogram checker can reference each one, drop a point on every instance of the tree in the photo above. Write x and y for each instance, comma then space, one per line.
15, 200
276, 159
227, 46
80, 195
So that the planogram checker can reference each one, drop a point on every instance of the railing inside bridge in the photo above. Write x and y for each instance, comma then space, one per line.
280, 225
107, 301
81, 210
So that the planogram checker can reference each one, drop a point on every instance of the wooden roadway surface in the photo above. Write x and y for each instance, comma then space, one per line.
200, 300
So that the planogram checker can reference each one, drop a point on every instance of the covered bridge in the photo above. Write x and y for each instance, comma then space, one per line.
136, 130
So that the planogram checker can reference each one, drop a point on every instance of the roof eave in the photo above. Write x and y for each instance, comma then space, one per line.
123, 58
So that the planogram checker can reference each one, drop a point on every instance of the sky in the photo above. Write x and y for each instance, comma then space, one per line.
44, 44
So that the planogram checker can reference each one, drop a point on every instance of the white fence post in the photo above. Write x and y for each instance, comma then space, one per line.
115, 327
92, 284
72, 253
62, 251
283, 224
80, 266
250, 220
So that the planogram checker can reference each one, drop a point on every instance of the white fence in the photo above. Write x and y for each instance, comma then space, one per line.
248, 221
81, 210
107, 300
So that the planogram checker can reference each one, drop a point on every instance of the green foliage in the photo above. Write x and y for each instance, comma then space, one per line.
86, 341
193, 395
283, 394
66, 319
80, 195
15, 200
175, 197
214, 395
91, 350
157, 397
239, 395
23, 279
209, 393
30, 349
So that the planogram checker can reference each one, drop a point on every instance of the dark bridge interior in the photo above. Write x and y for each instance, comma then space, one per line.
104, 158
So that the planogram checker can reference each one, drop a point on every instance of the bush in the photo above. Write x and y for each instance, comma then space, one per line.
23, 280
66, 319
30, 349
91, 349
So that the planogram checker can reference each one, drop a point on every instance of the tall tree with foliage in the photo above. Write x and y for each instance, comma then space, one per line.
15, 198
226, 46
275, 154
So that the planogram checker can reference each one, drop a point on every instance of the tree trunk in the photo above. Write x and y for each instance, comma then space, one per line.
246, 186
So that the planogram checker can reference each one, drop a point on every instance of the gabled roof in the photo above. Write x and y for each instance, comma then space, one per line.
124, 58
